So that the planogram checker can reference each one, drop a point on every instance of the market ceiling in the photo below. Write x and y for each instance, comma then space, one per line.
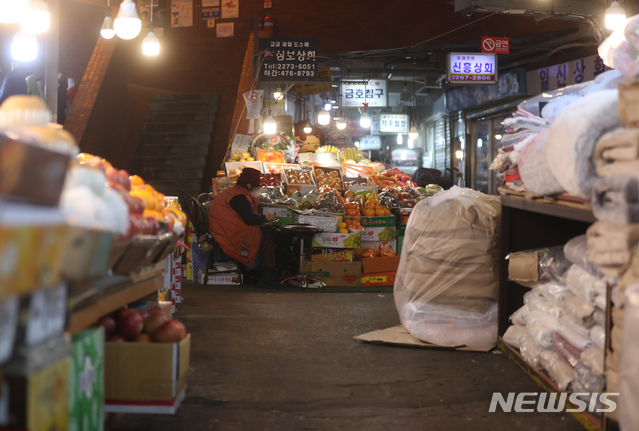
541, 32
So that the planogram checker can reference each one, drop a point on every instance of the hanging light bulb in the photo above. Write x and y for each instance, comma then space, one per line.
365, 121
327, 106
411, 143
615, 16
12, 10
324, 118
400, 139
127, 24
277, 94
37, 19
341, 122
24, 47
107, 31
413, 133
459, 155
308, 128
270, 126
151, 45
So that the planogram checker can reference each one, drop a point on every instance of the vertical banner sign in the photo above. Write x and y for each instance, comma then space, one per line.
465, 68
288, 59
495, 45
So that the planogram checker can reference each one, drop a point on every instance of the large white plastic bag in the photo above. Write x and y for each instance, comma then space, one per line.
447, 281
629, 366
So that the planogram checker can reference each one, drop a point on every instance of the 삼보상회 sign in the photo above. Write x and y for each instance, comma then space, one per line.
288, 59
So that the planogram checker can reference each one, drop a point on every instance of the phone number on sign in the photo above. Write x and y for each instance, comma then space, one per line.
472, 77
299, 73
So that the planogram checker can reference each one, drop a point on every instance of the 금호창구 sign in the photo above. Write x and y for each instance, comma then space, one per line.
373, 93
471, 68
288, 59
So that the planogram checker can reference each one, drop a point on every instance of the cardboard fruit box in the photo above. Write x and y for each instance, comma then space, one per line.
303, 188
31, 174
138, 254
337, 240
335, 273
284, 213
378, 228
86, 388
32, 245
380, 264
378, 279
145, 371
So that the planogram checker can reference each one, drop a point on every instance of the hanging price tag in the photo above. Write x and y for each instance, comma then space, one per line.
8, 326
47, 312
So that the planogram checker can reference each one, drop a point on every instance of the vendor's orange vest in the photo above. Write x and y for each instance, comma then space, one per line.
237, 239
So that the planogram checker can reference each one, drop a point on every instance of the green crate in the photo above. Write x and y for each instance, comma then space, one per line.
86, 386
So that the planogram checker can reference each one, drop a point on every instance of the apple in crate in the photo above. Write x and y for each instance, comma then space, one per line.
170, 332
108, 324
129, 323
142, 338
156, 318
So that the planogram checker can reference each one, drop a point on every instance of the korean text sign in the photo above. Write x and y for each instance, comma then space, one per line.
373, 92
471, 68
288, 59
393, 123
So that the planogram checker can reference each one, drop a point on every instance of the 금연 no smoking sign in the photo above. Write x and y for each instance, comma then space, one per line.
495, 45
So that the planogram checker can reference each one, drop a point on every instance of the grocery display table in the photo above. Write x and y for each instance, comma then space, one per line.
115, 292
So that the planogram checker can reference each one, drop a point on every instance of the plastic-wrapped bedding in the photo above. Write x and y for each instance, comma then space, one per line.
534, 169
572, 138
629, 366
558, 368
447, 283
616, 199
576, 251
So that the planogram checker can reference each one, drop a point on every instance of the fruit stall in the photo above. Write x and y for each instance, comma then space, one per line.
86, 258
361, 207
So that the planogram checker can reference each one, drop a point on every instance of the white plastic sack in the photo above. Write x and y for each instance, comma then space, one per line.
447, 282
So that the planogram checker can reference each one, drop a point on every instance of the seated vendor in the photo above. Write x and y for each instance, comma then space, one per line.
235, 225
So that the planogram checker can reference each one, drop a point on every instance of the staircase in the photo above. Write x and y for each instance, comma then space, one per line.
175, 142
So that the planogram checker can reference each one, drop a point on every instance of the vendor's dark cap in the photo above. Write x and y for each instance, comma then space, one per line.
250, 176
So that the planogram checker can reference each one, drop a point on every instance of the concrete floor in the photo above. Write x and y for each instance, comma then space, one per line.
286, 360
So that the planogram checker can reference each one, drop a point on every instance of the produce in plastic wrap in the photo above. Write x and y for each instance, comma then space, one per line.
447, 281
278, 142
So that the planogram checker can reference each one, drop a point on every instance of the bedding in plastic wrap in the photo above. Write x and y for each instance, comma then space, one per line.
619, 50
572, 138
617, 153
534, 170
558, 368
576, 251
616, 199
537, 266
447, 280
629, 365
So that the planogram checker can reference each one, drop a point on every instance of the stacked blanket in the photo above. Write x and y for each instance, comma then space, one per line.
610, 245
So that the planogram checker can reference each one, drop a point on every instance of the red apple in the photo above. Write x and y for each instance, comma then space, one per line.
129, 323
115, 339
142, 338
405, 178
154, 321
124, 179
144, 313
108, 324
170, 332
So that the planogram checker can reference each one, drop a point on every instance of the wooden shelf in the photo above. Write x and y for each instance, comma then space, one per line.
589, 421
116, 293
562, 209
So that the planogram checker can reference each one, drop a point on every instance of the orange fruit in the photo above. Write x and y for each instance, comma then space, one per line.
379, 212
387, 212
342, 225
374, 199
369, 204
343, 231
136, 180
368, 212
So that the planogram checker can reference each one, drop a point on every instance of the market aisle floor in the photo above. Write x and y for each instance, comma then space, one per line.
286, 360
